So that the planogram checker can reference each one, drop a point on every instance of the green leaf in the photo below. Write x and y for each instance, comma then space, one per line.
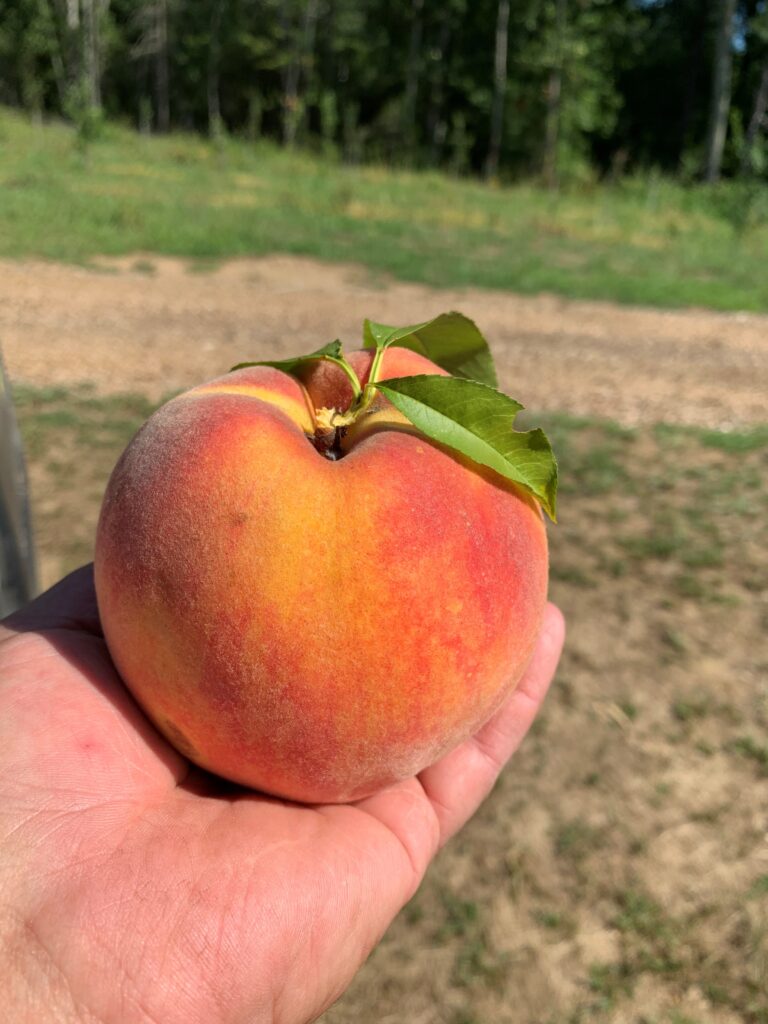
451, 340
329, 351
478, 421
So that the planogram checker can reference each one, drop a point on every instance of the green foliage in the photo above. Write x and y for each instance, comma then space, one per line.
461, 412
404, 83
451, 340
476, 420
331, 352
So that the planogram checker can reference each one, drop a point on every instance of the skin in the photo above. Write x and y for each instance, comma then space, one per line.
136, 889
311, 628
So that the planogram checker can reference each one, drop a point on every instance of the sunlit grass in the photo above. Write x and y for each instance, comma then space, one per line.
647, 240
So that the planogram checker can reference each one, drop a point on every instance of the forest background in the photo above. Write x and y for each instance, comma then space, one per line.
562, 91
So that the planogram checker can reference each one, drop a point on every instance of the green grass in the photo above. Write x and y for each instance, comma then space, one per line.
54, 416
759, 888
643, 241
686, 710
559, 924
752, 750
651, 942
461, 916
609, 983
475, 962
575, 840
746, 440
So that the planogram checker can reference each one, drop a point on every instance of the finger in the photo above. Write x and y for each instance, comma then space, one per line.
460, 781
70, 604
411, 821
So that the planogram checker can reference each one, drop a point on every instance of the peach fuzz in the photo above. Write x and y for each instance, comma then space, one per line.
314, 629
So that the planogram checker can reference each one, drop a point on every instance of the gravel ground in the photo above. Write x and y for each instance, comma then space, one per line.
154, 325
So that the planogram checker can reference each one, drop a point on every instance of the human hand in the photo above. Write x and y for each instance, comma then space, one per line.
136, 888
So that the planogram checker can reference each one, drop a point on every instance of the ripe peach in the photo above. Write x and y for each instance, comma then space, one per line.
315, 629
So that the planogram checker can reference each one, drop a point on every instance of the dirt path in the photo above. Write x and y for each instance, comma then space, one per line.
153, 325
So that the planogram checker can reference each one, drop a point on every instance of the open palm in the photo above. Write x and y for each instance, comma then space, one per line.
136, 888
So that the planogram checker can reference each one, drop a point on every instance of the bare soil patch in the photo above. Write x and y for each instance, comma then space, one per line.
153, 325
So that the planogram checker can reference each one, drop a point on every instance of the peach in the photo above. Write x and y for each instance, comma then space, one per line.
315, 629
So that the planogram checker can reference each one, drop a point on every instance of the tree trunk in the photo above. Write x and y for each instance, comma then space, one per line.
412, 75
695, 69
436, 125
60, 77
308, 47
499, 89
162, 91
58, 54
292, 80
554, 98
756, 122
91, 53
73, 15
71, 48
212, 77
721, 91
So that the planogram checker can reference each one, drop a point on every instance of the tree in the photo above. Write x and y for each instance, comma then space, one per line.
758, 33
757, 122
302, 50
554, 96
213, 67
436, 127
562, 88
500, 54
720, 102
150, 51
30, 56
161, 76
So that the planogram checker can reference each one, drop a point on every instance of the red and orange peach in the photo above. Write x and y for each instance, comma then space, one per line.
312, 628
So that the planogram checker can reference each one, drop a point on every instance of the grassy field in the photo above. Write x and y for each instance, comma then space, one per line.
618, 872
643, 241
